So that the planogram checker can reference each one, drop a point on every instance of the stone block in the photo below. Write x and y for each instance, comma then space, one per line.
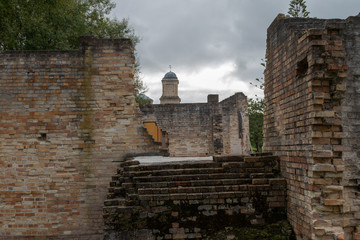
334, 202
319, 167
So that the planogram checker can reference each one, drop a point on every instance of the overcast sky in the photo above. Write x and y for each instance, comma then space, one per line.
213, 46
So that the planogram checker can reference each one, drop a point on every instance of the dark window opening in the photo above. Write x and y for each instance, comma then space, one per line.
240, 124
302, 68
42, 137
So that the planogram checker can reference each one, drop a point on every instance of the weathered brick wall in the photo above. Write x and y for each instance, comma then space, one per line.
66, 119
203, 129
235, 125
350, 115
191, 200
188, 127
311, 107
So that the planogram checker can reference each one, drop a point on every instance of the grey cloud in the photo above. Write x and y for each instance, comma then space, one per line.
193, 34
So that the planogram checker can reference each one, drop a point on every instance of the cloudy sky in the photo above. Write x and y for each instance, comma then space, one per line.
213, 46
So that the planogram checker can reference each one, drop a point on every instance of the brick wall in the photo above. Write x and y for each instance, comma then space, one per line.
66, 119
203, 129
350, 115
312, 104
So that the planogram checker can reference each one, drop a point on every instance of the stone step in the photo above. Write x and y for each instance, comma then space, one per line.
120, 191
192, 196
114, 210
173, 165
114, 183
190, 183
129, 162
268, 160
115, 202
262, 175
200, 189
189, 174
116, 177
262, 154
188, 171
228, 167
189, 177
165, 186
251, 166
228, 158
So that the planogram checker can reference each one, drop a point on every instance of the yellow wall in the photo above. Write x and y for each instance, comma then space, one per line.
153, 130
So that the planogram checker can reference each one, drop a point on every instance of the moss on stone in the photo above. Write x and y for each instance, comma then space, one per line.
277, 231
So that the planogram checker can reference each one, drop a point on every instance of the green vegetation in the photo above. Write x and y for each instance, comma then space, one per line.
276, 231
297, 8
39, 24
49, 24
256, 108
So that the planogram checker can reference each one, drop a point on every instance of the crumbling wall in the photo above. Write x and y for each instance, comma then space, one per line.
66, 119
203, 129
310, 120
235, 125
350, 115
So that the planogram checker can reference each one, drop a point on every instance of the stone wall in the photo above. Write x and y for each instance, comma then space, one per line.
66, 119
312, 122
203, 129
192, 200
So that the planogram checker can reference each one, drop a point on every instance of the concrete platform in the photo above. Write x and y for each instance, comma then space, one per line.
161, 159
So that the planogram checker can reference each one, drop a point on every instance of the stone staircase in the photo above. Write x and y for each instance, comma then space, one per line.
184, 200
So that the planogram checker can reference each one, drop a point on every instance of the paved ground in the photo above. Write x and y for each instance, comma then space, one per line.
161, 159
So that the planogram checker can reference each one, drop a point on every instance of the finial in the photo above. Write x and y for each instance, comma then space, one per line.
170, 67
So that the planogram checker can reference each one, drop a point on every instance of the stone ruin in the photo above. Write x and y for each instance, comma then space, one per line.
69, 122
312, 122
202, 129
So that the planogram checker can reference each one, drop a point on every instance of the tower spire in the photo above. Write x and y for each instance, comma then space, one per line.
170, 84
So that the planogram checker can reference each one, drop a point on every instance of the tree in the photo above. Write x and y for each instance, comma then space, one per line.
297, 8
256, 108
47, 24
141, 89
50, 24
255, 111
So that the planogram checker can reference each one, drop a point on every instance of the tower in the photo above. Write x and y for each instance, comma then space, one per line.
170, 84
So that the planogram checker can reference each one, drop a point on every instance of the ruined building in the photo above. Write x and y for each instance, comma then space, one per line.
312, 122
68, 119
68, 122
198, 129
